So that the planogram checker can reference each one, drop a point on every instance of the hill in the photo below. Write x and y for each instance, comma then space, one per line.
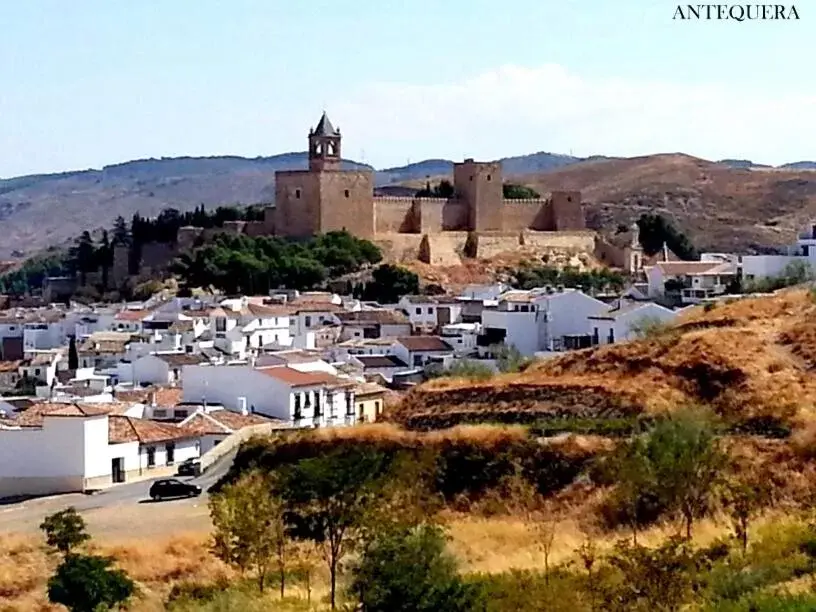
723, 206
720, 207
752, 361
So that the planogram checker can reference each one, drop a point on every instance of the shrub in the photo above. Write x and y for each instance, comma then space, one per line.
410, 571
86, 583
65, 530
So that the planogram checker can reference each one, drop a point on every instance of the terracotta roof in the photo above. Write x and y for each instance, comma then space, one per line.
223, 421
129, 429
131, 315
431, 299
10, 366
178, 327
181, 359
380, 361
296, 378
260, 310
516, 296
382, 316
369, 388
424, 343
33, 415
165, 396
316, 307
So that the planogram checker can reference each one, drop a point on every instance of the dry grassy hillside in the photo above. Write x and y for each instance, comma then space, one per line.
749, 360
722, 208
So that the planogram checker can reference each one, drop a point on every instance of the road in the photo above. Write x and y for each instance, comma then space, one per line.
115, 506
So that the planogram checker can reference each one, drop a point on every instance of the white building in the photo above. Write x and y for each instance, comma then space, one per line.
240, 326
279, 392
374, 323
159, 368
690, 282
757, 267
418, 351
539, 319
427, 313
461, 336
620, 322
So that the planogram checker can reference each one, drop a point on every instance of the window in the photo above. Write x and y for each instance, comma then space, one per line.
378, 406
151, 456
297, 194
318, 411
417, 360
346, 193
170, 448
430, 310
220, 324
36, 371
297, 407
488, 177
182, 414
308, 402
308, 321
419, 311
216, 442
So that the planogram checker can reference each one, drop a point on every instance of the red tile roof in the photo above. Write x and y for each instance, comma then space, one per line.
131, 315
296, 378
424, 343
129, 429
34, 414
223, 421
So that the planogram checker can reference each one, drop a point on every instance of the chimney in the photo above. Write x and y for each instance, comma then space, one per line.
242, 406
665, 252
153, 398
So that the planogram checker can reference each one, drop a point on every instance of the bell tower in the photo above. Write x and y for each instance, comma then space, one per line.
324, 146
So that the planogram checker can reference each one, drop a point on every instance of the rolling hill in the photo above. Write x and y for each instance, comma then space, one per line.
724, 205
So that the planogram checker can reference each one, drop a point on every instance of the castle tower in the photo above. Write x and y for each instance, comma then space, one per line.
479, 184
324, 146
323, 198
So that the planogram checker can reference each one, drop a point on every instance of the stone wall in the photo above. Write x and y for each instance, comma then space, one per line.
567, 211
578, 241
297, 203
519, 215
455, 216
479, 185
394, 215
347, 202
442, 249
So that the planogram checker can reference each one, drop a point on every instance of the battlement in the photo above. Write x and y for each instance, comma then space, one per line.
525, 201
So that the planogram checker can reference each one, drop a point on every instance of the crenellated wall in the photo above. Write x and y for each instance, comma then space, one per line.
394, 215
519, 215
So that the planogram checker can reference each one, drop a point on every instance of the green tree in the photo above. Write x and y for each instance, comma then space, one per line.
249, 529
678, 466
649, 327
509, 359
655, 231
511, 191
328, 499
65, 530
121, 234
744, 499
87, 583
105, 257
83, 255
73, 354
389, 283
408, 570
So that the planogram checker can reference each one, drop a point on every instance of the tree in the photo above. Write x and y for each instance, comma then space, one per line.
86, 583
655, 231
73, 354
408, 570
249, 528
65, 530
508, 358
105, 257
389, 283
328, 498
744, 499
511, 191
677, 465
649, 327
83, 255
121, 235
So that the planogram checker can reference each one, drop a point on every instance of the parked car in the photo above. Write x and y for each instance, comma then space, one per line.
164, 489
189, 467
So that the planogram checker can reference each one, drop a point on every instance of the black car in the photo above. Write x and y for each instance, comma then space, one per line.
189, 467
164, 489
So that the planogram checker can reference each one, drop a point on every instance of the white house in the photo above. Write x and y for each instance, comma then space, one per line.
279, 392
158, 368
690, 281
383, 365
539, 319
128, 321
427, 313
620, 322
418, 351
239, 326
461, 336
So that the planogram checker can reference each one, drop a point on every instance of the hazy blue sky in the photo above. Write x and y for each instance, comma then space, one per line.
92, 82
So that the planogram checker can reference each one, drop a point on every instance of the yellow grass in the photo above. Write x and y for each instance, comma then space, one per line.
749, 358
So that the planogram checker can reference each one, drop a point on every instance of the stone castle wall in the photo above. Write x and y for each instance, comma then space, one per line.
394, 215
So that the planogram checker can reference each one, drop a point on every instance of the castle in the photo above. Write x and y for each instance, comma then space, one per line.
477, 221
326, 198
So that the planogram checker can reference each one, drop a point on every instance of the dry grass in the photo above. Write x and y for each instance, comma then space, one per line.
745, 359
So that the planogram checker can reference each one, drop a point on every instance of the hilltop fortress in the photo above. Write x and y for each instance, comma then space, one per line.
475, 222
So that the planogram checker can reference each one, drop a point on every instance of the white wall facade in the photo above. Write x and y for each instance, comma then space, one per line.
620, 329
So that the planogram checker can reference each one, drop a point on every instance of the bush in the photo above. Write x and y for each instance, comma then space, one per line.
649, 327
86, 583
461, 368
410, 571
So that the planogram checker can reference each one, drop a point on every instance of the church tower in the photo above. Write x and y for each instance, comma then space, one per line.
324, 146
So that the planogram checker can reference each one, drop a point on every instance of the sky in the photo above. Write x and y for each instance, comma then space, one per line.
93, 82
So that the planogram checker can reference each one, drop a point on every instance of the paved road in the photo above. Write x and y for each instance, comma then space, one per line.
28, 513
